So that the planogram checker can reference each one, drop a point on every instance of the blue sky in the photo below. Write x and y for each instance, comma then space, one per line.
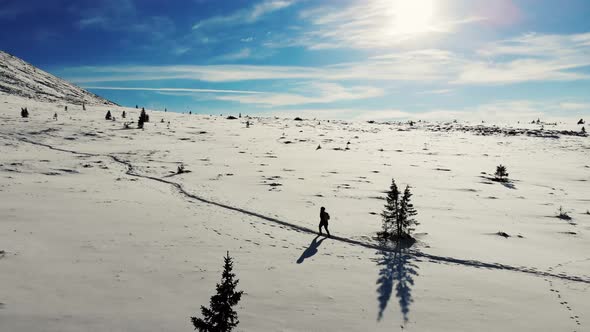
370, 59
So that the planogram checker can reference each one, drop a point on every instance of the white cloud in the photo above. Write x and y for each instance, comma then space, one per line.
313, 93
575, 106
245, 16
371, 24
189, 90
532, 57
244, 53
494, 112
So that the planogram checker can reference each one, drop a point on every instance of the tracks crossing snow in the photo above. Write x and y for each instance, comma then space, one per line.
416, 253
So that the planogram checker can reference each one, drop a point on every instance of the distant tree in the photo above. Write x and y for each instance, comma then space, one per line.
108, 116
407, 212
501, 173
583, 130
143, 117
24, 112
83, 106
124, 115
220, 316
562, 214
391, 225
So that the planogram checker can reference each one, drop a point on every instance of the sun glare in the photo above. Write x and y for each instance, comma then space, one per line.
412, 16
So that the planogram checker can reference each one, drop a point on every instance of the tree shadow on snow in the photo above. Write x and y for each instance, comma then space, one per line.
397, 271
311, 250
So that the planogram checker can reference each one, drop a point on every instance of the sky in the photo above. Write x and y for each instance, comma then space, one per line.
362, 60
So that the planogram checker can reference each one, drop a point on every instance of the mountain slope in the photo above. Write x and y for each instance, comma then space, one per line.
20, 78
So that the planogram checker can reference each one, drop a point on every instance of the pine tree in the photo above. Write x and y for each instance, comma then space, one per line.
124, 114
407, 213
390, 214
108, 116
143, 117
220, 316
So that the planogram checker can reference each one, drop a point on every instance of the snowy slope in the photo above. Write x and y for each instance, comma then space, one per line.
20, 78
100, 234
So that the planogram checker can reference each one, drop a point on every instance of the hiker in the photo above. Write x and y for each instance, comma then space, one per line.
324, 217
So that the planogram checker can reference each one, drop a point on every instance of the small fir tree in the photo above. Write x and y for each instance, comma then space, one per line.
143, 117
407, 212
124, 115
220, 316
501, 173
24, 112
390, 214
108, 116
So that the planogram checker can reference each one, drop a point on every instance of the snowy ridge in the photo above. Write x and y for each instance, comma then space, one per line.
20, 78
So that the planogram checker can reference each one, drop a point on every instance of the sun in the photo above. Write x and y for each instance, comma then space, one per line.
412, 16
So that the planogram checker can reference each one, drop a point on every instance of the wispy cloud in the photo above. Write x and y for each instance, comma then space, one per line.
494, 112
372, 24
528, 59
245, 16
532, 57
172, 90
244, 53
314, 93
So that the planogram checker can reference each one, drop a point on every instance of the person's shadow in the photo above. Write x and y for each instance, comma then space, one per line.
311, 250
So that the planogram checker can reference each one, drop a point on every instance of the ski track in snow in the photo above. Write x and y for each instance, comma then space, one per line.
414, 252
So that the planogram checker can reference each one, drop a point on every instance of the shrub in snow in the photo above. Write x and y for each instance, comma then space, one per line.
581, 122
108, 116
180, 169
501, 173
220, 316
561, 214
24, 112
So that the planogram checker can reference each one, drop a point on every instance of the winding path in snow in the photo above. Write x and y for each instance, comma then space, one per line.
414, 252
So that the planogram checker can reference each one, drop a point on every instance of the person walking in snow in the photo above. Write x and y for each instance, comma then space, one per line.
324, 217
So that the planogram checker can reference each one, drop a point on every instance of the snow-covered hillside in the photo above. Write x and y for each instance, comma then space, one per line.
98, 231
20, 78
